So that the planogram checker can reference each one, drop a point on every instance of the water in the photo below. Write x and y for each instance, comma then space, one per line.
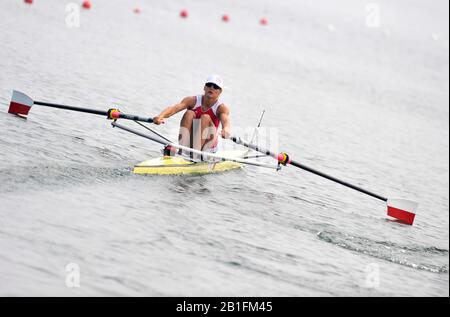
368, 105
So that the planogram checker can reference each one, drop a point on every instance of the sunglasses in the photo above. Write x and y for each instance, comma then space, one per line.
212, 85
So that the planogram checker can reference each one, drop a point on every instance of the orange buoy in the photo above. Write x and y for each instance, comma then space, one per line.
225, 18
184, 13
87, 4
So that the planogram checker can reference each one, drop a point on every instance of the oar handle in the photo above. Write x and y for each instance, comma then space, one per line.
135, 118
283, 158
110, 114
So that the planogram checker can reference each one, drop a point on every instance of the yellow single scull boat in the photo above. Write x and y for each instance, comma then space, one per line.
176, 165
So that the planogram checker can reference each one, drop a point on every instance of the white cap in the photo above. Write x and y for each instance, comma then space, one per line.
215, 79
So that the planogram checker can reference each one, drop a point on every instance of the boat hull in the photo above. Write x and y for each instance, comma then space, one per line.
168, 165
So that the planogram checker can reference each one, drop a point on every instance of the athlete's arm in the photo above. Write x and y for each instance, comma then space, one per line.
186, 103
224, 116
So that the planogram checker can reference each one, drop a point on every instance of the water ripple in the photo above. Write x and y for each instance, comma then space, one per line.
407, 255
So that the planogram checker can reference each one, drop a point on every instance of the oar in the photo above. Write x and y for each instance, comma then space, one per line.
21, 105
401, 209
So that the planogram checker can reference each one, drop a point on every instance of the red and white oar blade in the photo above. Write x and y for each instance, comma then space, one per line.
403, 210
20, 104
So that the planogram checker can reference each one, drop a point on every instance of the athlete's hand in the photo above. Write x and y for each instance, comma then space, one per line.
225, 134
158, 120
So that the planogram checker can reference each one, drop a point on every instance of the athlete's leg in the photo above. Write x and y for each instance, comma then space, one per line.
185, 135
208, 133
